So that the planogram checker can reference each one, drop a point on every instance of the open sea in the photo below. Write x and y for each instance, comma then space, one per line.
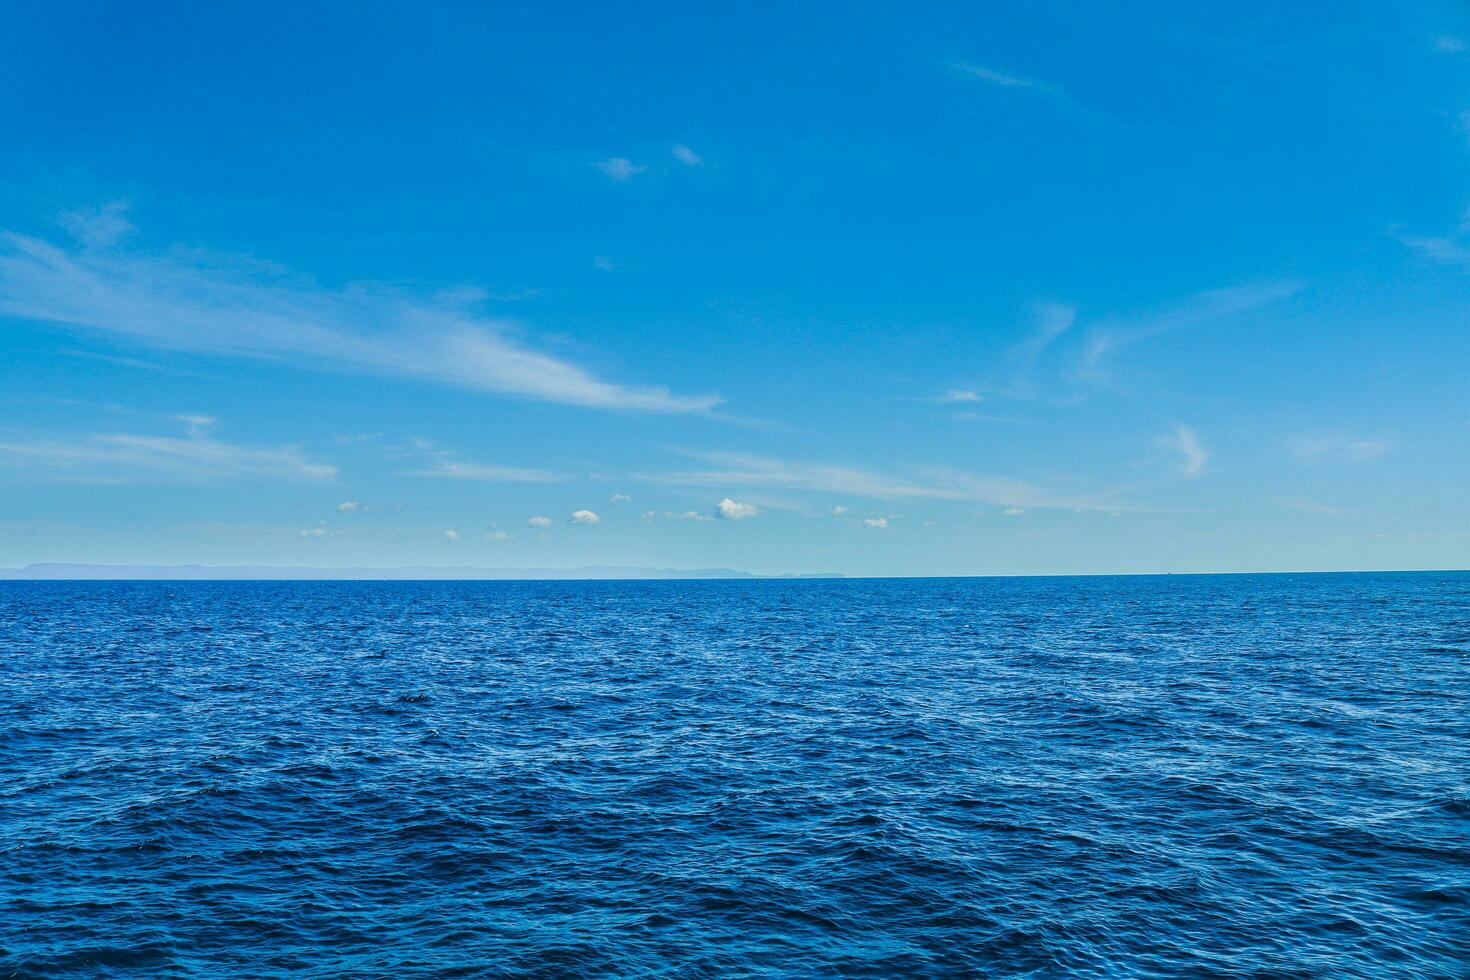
1204, 776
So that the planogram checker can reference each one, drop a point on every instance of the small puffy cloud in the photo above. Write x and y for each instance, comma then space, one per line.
649, 515
620, 498
1446, 44
1014, 511
539, 521
839, 510
732, 510
603, 263
496, 536
348, 506
584, 517
452, 535
960, 395
686, 156
620, 168
1192, 455
316, 532
692, 515
875, 522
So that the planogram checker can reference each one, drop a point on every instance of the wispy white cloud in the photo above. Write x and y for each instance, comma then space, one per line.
732, 510
1192, 455
691, 515
98, 227
1201, 308
1452, 248
839, 510
129, 458
348, 506
193, 300
1053, 319
584, 517
496, 536
539, 521
452, 535
620, 498
1442, 248
984, 417
1014, 375
1049, 350
1448, 44
1000, 78
686, 156
1338, 448
198, 424
878, 522
1322, 510
743, 469
954, 395
603, 264
453, 469
620, 168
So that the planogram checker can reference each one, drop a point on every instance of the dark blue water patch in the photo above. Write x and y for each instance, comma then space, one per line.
1181, 776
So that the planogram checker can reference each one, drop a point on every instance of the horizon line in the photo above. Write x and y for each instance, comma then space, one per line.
370, 573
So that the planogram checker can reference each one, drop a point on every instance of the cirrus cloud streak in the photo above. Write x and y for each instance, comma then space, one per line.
132, 458
192, 300
743, 469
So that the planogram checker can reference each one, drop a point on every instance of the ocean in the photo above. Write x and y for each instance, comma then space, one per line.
1230, 776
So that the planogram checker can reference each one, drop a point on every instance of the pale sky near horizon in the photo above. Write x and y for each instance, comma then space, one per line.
858, 288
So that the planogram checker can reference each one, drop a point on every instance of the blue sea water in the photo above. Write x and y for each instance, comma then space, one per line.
1224, 776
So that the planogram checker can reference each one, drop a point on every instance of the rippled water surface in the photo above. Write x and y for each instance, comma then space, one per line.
1230, 776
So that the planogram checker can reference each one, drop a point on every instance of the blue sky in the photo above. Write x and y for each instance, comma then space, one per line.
870, 289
